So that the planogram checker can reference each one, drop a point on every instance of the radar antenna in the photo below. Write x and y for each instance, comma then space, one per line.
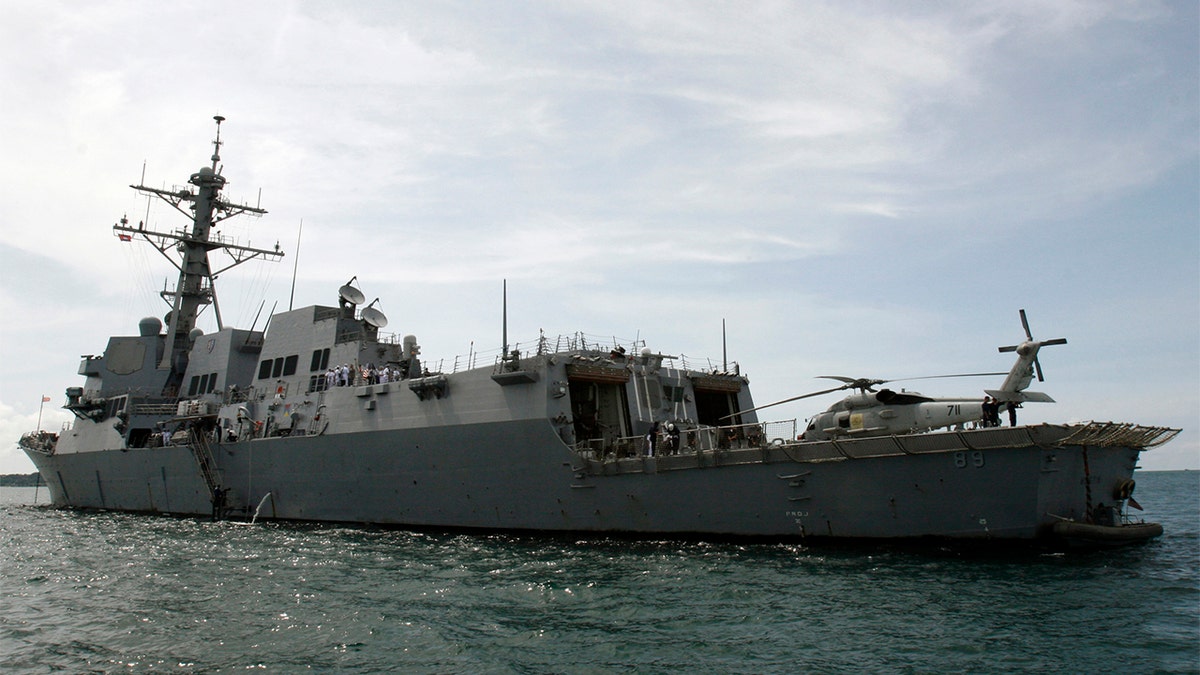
217, 143
195, 288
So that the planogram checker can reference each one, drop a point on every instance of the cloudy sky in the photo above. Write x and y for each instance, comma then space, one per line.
856, 188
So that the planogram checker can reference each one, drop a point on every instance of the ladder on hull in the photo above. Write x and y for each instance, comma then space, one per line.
202, 452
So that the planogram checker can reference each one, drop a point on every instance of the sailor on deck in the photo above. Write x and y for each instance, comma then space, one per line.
672, 439
651, 439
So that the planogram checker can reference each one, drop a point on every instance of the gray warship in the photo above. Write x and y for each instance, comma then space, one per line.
324, 416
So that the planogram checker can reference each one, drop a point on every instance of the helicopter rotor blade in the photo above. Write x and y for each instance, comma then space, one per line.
938, 377
839, 378
1025, 323
866, 383
863, 383
1037, 365
786, 400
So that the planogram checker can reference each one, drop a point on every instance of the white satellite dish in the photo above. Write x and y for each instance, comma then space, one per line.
351, 294
373, 316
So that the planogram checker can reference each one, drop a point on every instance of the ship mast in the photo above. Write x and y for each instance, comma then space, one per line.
195, 288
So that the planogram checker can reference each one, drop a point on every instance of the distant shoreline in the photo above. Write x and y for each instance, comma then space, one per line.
21, 479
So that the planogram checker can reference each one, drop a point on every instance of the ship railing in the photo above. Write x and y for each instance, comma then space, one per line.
156, 408
577, 342
706, 365
584, 342
693, 439
170, 406
497, 356
41, 442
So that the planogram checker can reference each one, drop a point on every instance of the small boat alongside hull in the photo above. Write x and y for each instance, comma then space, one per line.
1091, 535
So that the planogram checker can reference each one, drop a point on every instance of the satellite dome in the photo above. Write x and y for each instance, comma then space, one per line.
149, 326
205, 171
194, 334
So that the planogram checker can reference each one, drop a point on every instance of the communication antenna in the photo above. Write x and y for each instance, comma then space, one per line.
217, 143
373, 316
350, 294
724, 351
255, 323
296, 265
504, 319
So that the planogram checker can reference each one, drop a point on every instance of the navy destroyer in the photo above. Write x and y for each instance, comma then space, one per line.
325, 416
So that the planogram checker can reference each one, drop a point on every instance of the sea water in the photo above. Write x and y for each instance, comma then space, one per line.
112, 592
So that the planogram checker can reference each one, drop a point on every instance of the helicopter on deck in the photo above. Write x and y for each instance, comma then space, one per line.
886, 412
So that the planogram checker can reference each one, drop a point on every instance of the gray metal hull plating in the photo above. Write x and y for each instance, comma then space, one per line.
987, 484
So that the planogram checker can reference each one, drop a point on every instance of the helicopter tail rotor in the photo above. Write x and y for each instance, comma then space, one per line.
1031, 345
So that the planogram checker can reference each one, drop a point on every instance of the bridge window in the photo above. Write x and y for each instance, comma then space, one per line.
278, 367
320, 360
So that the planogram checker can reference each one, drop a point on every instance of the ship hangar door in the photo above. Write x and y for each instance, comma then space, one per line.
716, 401
599, 403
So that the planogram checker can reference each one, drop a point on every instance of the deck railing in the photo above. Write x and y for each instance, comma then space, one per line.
582, 342
698, 439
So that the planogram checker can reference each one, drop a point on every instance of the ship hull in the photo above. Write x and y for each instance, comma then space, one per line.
999, 484
322, 416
